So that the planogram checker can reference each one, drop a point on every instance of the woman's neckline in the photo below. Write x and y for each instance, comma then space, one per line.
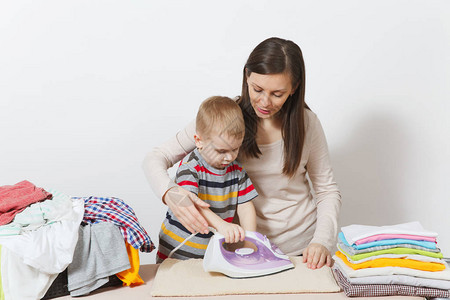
271, 144
268, 133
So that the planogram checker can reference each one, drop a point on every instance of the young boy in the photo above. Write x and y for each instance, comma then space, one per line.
211, 172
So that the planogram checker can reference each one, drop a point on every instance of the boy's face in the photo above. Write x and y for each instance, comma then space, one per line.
219, 150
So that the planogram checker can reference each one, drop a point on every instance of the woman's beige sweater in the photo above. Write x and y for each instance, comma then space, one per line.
287, 212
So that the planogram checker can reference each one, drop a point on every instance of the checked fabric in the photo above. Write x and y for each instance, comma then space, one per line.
376, 290
116, 211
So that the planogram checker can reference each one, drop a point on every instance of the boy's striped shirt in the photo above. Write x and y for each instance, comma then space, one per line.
222, 189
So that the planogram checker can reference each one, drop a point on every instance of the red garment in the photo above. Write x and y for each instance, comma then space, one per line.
15, 198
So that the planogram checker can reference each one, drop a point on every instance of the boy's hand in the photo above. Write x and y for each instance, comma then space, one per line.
233, 233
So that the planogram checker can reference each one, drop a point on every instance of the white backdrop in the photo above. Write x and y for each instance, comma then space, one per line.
87, 88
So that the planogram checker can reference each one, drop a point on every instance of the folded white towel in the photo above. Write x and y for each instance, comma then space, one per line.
397, 279
349, 272
356, 232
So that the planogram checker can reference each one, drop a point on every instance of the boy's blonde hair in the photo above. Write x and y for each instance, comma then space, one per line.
220, 115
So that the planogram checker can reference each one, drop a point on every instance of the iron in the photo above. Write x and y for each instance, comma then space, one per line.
245, 262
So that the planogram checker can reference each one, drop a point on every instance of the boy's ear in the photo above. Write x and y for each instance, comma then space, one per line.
198, 141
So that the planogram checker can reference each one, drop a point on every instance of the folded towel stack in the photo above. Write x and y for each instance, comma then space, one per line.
400, 259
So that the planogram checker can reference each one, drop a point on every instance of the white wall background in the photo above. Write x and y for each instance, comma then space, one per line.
88, 87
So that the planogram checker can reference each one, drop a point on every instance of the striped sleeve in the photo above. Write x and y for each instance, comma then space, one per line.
247, 191
187, 178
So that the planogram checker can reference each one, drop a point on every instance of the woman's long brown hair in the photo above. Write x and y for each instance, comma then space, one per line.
275, 56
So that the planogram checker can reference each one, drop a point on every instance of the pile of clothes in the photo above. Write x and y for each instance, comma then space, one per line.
45, 232
392, 260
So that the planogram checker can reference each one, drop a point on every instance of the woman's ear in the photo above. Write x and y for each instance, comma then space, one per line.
294, 89
247, 73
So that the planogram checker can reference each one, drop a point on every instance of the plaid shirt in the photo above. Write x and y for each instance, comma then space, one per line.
116, 211
376, 290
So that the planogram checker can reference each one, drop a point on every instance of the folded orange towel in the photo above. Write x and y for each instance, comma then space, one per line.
393, 262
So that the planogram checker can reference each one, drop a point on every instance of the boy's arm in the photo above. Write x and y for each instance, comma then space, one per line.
233, 233
212, 219
247, 215
245, 208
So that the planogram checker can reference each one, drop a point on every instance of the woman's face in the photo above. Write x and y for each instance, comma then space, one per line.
268, 93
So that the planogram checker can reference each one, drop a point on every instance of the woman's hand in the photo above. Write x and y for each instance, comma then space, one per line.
233, 233
316, 256
183, 205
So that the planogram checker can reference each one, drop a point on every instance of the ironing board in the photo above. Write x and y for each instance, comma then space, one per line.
148, 272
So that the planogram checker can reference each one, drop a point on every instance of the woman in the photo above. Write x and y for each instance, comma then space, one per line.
283, 142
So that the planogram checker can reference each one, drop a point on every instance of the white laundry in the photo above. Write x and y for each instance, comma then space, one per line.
20, 281
356, 232
46, 212
49, 248
349, 272
396, 279
10, 229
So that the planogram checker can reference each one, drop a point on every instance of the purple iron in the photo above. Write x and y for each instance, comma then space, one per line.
263, 258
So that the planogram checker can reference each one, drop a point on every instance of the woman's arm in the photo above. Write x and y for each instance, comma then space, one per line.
180, 201
328, 197
163, 157
327, 193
